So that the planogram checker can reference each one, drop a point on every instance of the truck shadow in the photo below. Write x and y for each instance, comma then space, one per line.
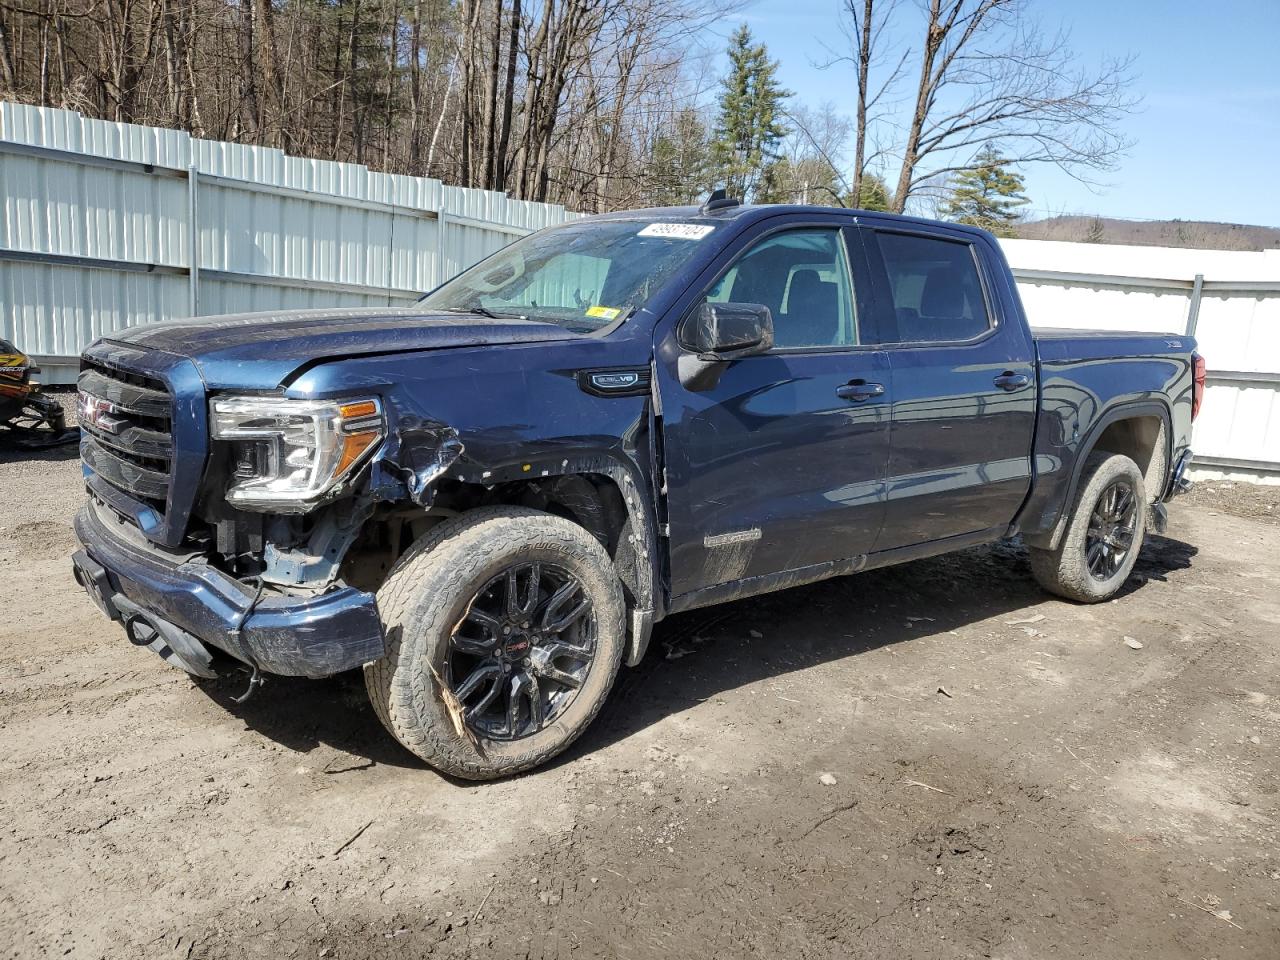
10, 452
305, 715
696, 656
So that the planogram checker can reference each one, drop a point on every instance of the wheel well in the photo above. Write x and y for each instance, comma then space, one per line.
591, 500
1143, 439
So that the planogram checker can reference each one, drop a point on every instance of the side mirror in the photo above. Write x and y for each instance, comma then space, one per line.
727, 331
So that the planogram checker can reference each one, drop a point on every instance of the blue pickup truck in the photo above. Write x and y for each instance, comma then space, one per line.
487, 500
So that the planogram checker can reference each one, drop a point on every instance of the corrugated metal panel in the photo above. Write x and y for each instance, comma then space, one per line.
1239, 423
1240, 332
1151, 289
275, 231
1102, 308
272, 231
232, 297
56, 311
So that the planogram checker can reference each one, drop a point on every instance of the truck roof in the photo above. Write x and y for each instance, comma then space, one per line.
749, 212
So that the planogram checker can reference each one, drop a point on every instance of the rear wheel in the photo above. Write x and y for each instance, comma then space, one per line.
1103, 536
504, 634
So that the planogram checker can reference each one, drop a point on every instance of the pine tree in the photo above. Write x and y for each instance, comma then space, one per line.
987, 194
1095, 232
873, 194
750, 124
678, 170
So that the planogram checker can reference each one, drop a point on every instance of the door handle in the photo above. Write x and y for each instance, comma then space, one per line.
1012, 381
859, 390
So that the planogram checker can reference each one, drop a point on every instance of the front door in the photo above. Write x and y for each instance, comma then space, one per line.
963, 382
778, 461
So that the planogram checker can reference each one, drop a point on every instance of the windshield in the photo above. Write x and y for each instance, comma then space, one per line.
583, 276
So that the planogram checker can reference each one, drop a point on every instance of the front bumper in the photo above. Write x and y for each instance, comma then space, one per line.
295, 636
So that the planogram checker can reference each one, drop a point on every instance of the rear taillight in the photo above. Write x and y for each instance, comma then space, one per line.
1197, 386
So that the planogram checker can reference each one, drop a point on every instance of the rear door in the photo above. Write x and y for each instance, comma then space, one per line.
963, 385
778, 461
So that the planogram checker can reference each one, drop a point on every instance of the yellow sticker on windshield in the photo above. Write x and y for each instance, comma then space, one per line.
603, 313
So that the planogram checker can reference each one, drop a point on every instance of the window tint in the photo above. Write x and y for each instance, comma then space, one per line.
803, 278
935, 288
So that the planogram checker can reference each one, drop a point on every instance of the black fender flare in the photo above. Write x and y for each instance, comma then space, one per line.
1122, 410
639, 537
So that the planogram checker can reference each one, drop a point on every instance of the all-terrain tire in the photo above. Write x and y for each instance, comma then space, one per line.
1065, 570
428, 592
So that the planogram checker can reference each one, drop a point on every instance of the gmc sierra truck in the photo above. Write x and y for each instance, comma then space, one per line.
487, 500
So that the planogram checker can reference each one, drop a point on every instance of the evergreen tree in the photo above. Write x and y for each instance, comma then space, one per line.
679, 169
750, 124
873, 194
1095, 232
987, 194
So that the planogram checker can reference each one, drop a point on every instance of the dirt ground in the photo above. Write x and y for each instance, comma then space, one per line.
936, 760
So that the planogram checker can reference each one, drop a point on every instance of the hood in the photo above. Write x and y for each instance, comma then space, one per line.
261, 350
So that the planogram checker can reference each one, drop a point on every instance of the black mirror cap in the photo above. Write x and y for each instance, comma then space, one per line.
726, 331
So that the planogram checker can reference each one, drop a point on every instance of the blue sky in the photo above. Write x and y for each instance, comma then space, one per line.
1207, 135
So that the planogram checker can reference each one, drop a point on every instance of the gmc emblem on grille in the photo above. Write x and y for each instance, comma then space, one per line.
97, 413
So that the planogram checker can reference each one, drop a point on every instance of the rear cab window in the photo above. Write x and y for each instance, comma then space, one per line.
935, 290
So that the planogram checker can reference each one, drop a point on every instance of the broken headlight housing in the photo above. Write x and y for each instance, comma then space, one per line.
287, 455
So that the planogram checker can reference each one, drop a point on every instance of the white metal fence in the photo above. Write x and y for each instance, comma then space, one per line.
109, 225
1230, 302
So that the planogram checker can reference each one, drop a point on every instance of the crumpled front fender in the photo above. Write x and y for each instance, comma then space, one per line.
417, 452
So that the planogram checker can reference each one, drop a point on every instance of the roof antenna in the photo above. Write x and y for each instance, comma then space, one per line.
719, 200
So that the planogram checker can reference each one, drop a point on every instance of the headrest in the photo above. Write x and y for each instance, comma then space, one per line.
943, 294
806, 284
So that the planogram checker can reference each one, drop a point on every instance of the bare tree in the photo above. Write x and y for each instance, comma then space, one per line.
987, 74
811, 158
864, 29
503, 164
549, 99
8, 76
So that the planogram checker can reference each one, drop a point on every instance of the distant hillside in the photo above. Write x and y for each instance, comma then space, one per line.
1198, 234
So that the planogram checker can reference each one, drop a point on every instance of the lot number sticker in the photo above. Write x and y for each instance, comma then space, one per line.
677, 231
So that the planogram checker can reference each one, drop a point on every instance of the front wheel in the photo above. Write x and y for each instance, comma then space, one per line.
1103, 536
505, 630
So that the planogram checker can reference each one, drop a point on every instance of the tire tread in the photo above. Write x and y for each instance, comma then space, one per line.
401, 688
1059, 570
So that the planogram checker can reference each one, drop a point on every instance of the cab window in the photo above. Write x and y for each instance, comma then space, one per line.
935, 289
802, 276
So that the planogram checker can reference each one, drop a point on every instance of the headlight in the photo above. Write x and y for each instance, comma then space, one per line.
287, 454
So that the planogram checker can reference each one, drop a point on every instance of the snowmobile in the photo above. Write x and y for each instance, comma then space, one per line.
28, 417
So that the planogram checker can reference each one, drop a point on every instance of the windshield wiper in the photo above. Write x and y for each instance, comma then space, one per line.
486, 312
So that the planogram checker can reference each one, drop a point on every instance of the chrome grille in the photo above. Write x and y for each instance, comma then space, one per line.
126, 422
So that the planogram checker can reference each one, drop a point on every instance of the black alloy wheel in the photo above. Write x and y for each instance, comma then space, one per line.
1111, 529
521, 651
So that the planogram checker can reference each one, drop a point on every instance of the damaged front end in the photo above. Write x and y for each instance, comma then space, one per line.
293, 484
303, 507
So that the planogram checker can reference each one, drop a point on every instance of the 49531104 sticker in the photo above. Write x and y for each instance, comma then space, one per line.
677, 231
